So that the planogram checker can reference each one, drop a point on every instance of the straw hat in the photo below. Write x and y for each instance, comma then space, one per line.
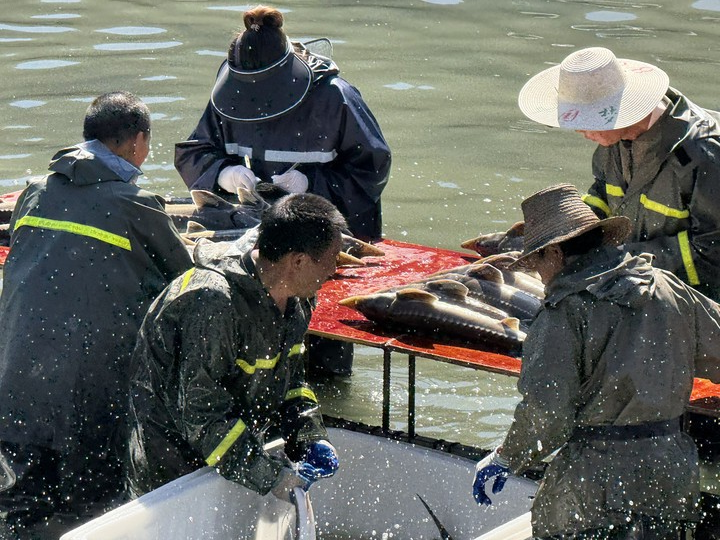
556, 214
249, 96
592, 90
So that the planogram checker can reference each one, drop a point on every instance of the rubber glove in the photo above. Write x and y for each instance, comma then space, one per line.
293, 181
236, 176
321, 461
492, 466
287, 480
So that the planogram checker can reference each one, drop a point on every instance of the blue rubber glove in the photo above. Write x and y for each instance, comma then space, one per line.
321, 461
492, 466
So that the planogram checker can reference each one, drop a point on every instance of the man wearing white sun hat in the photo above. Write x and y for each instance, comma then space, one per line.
658, 159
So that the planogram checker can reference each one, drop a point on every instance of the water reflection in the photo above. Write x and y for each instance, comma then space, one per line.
45, 64
132, 46
132, 30
709, 5
36, 29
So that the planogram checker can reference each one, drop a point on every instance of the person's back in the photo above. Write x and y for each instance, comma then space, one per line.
615, 386
606, 400
89, 252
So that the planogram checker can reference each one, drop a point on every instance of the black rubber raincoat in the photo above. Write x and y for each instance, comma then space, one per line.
331, 134
89, 252
667, 181
617, 345
217, 364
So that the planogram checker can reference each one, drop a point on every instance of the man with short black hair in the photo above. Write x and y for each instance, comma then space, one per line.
89, 251
220, 358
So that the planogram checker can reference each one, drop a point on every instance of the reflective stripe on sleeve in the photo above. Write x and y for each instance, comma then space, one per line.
686, 254
662, 209
614, 191
597, 202
226, 443
186, 279
75, 228
260, 363
301, 392
268, 363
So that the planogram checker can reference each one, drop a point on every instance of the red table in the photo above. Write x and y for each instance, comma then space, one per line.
402, 263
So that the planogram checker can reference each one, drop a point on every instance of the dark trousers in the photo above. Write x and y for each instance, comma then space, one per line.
327, 357
54, 493
639, 528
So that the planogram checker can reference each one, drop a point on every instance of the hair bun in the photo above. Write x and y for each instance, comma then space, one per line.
260, 16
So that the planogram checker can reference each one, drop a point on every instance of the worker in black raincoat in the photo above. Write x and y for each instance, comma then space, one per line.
280, 113
658, 159
276, 105
220, 358
89, 252
607, 371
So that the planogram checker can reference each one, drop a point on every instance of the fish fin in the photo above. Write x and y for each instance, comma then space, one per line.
487, 272
512, 323
444, 534
449, 287
247, 196
358, 248
194, 227
203, 198
518, 229
187, 241
416, 294
350, 301
502, 260
345, 259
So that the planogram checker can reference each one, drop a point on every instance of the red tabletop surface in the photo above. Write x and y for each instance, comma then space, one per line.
402, 263
8, 197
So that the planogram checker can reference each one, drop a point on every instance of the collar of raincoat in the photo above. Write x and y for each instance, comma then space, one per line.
123, 168
608, 274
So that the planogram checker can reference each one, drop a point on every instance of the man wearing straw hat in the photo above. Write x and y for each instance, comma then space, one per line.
608, 395
658, 159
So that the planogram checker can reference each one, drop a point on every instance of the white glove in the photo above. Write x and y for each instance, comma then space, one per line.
236, 176
293, 181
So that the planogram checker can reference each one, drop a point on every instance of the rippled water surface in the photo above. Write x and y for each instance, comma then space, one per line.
441, 76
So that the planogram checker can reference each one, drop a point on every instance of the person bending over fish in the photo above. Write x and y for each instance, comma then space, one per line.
607, 370
283, 114
657, 160
219, 358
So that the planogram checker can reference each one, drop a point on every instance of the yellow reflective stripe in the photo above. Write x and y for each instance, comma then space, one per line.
297, 349
226, 443
597, 202
260, 363
186, 279
301, 392
75, 228
662, 209
263, 363
615, 191
686, 254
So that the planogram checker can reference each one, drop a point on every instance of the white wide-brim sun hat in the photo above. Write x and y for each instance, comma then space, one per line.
593, 90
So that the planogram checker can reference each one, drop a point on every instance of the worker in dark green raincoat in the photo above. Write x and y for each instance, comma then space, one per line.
607, 371
220, 358
658, 159
89, 252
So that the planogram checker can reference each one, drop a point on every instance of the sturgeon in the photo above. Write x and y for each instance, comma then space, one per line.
496, 269
499, 242
417, 310
515, 302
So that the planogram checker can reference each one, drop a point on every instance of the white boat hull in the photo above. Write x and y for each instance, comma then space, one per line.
373, 496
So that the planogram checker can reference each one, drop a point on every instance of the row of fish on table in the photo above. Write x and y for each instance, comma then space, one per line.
479, 303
